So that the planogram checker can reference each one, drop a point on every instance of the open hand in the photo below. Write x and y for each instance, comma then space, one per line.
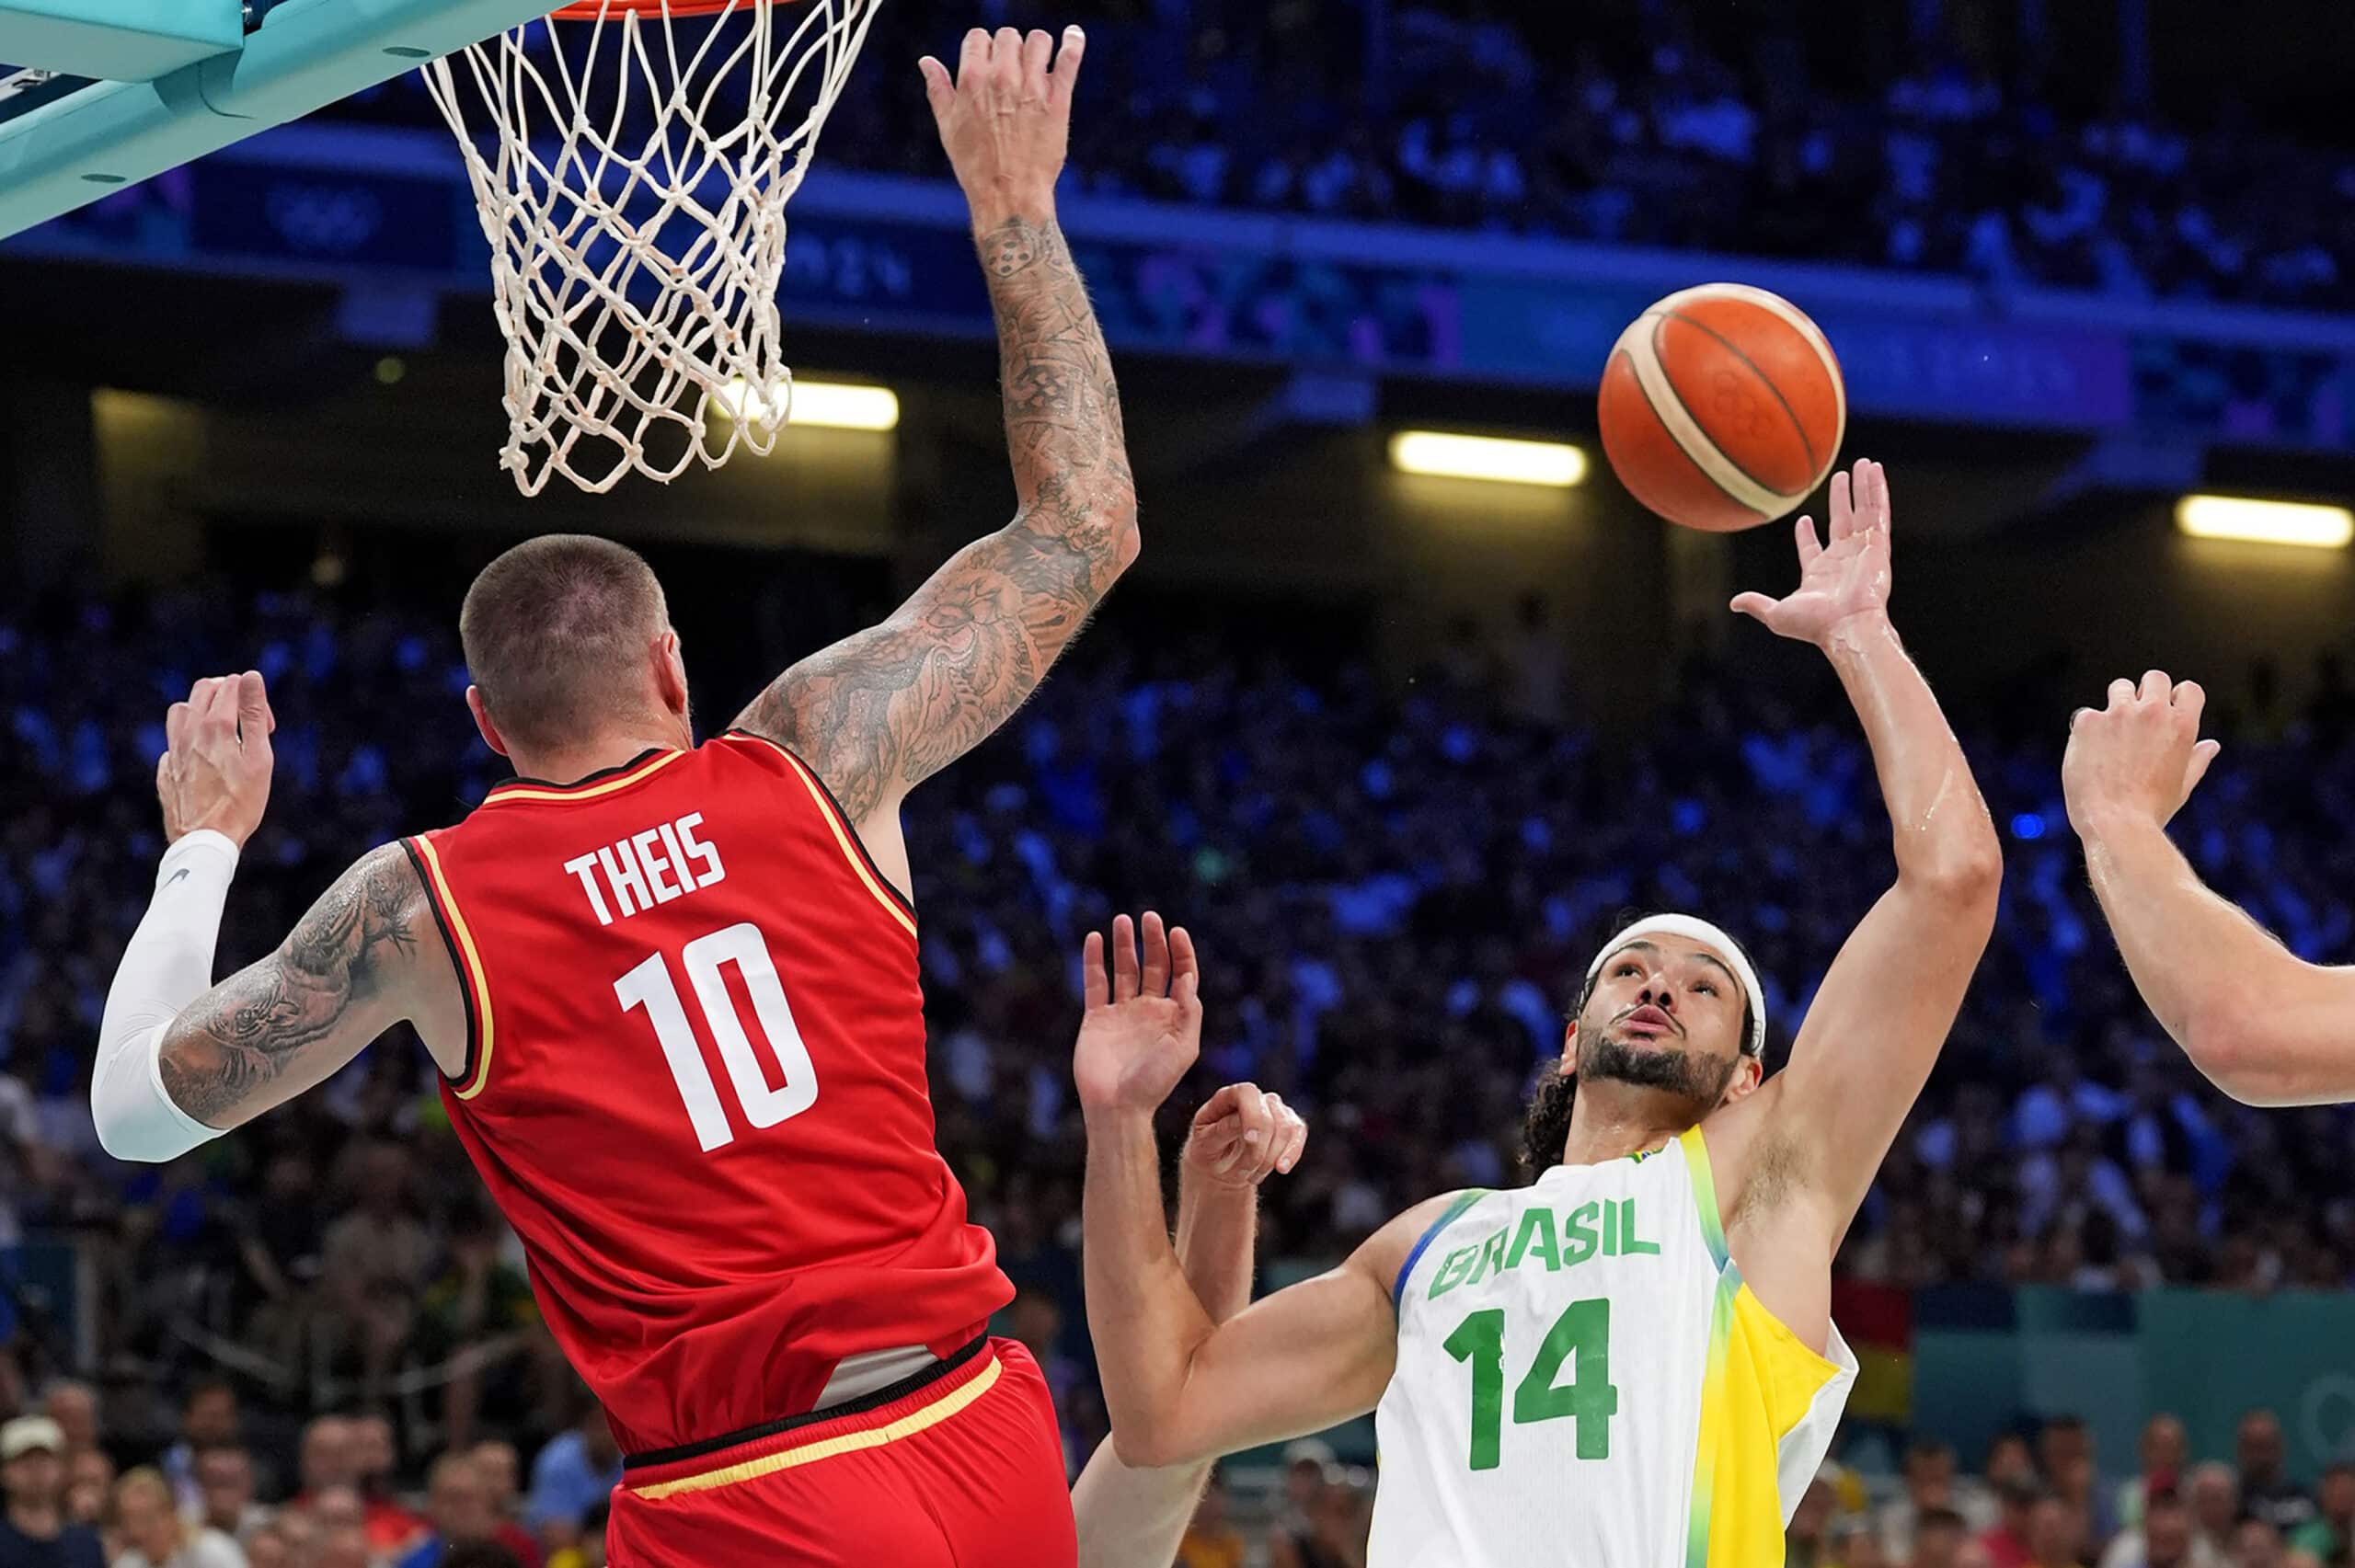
1241, 1136
1143, 1023
1005, 120
2138, 758
1839, 580
214, 771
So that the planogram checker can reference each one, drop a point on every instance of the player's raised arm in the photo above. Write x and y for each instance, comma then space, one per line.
1179, 1386
879, 712
181, 1061
1819, 1129
2267, 1027
1240, 1137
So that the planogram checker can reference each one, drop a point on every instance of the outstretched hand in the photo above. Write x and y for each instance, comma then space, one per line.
2139, 757
1143, 1027
1846, 577
1005, 117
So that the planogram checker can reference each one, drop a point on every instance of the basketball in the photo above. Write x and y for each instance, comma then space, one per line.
1722, 407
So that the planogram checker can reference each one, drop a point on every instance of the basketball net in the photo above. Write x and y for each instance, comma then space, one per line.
632, 181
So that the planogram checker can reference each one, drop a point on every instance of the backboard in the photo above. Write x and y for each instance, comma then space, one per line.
97, 94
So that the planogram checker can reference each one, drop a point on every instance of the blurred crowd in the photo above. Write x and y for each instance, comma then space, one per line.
2035, 1499
1638, 126
1395, 887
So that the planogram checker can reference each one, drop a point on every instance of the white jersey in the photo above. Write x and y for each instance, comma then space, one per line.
1583, 1379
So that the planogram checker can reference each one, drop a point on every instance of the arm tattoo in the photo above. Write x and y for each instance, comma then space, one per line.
886, 709
256, 1025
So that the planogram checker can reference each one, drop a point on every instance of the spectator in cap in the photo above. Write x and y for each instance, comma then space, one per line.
35, 1533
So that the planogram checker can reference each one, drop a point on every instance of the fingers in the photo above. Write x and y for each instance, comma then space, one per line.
1809, 547
177, 719
2155, 686
1064, 79
1217, 1108
1844, 507
1156, 956
2191, 698
1124, 958
255, 721
1095, 990
1292, 1136
1757, 606
973, 61
2202, 755
1880, 510
1184, 964
939, 90
2121, 691
2078, 717
1006, 56
1037, 49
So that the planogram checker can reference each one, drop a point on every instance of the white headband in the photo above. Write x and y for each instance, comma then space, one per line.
1700, 930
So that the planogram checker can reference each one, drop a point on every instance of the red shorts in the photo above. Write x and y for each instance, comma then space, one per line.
966, 1472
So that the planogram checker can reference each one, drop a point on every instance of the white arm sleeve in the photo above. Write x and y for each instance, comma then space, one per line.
168, 965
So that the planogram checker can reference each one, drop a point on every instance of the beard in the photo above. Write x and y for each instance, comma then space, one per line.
1700, 1080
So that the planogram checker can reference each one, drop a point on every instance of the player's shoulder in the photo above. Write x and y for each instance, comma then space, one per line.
1390, 1253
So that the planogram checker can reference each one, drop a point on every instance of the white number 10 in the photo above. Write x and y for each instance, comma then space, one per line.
649, 986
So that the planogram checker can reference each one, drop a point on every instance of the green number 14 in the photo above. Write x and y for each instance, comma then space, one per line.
1581, 1336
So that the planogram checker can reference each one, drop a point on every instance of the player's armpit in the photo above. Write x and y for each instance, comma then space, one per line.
1804, 1150
352, 966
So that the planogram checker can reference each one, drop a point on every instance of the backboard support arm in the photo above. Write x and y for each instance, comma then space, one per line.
69, 151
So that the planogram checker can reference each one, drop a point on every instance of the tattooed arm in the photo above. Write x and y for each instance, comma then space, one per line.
178, 1063
341, 978
881, 712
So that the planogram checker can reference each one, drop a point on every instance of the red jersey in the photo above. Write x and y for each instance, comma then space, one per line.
694, 1083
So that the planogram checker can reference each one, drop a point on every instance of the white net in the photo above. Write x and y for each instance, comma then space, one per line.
632, 173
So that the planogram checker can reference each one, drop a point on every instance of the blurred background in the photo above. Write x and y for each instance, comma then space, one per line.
1398, 747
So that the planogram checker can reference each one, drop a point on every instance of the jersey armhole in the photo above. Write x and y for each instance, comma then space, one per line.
1702, 1181
846, 831
1454, 1211
458, 941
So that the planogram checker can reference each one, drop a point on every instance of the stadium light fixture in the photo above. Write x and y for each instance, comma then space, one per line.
2266, 523
1553, 463
817, 404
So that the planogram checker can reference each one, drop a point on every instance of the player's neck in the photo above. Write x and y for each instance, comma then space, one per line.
615, 748
1612, 1121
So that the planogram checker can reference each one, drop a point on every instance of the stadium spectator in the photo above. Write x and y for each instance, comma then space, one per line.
502, 1470
2162, 1451
2329, 1536
459, 1502
2163, 1538
1941, 1537
2267, 1491
75, 1407
2011, 1544
224, 1484
1211, 1539
36, 1533
154, 1534
90, 1487
574, 1473
2215, 1508
209, 1417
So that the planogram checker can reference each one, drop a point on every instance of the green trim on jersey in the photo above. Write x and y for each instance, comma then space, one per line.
1705, 1195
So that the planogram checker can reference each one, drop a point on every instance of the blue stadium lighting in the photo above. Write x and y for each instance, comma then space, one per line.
2028, 825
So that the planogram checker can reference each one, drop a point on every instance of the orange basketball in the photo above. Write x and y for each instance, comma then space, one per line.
1722, 407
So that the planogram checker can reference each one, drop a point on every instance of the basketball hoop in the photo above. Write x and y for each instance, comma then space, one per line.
635, 199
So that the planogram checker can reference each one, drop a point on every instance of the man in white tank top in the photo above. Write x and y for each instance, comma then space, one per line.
1631, 1362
